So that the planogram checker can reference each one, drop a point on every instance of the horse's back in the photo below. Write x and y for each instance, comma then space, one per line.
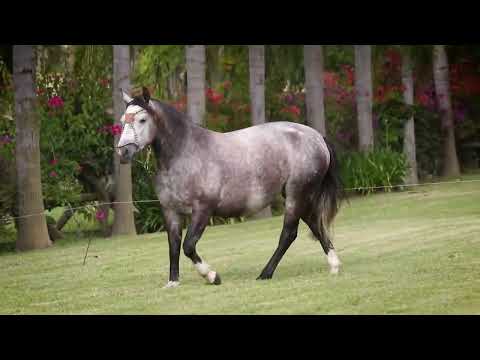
294, 144
260, 161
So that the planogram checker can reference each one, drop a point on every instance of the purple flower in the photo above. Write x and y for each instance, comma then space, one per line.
6, 139
289, 98
100, 215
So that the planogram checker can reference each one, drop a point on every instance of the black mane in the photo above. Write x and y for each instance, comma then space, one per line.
173, 128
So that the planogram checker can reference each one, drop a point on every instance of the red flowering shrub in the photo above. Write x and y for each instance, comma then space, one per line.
55, 102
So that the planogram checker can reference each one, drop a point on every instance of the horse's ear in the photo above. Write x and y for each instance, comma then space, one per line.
146, 94
125, 96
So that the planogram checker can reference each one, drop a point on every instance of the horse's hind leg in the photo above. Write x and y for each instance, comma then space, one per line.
200, 218
311, 220
288, 235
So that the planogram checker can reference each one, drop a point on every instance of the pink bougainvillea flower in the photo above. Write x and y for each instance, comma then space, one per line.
53, 162
116, 129
350, 73
380, 94
330, 79
293, 109
55, 102
100, 215
53, 174
214, 97
424, 100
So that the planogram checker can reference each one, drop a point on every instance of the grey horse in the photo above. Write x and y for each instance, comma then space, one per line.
204, 173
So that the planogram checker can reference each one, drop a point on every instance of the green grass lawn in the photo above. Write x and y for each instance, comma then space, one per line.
411, 252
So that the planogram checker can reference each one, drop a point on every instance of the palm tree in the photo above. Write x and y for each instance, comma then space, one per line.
257, 96
451, 166
313, 59
409, 130
123, 223
363, 89
196, 83
32, 230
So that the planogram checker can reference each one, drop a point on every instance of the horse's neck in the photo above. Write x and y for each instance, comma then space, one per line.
178, 134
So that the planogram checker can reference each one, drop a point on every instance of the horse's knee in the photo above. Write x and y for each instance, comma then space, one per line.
188, 249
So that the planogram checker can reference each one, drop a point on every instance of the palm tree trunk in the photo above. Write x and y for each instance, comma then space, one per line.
409, 130
257, 97
214, 64
32, 231
123, 223
313, 58
196, 83
363, 89
135, 52
451, 166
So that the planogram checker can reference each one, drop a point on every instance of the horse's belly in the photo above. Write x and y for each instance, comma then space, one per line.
247, 198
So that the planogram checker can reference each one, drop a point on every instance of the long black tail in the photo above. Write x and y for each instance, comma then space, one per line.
328, 197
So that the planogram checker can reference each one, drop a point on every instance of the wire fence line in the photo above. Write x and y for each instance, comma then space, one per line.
389, 187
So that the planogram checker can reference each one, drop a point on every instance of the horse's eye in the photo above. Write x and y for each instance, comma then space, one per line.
142, 121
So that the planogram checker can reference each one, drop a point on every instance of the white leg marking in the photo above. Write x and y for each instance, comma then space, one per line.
202, 268
211, 276
333, 261
172, 284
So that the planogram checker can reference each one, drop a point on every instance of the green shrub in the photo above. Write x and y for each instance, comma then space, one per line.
149, 217
378, 168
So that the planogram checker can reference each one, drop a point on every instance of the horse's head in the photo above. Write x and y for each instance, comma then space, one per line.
138, 126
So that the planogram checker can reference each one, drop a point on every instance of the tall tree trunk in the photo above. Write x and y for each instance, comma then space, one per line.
135, 53
32, 231
123, 223
451, 166
409, 130
257, 97
214, 64
363, 90
313, 59
196, 83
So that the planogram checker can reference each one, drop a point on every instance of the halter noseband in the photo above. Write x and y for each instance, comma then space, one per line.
129, 118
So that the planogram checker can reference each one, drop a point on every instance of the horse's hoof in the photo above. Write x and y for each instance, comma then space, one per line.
214, 278
217, 280
264, 277
172, 284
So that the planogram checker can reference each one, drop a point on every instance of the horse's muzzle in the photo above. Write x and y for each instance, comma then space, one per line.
127, 152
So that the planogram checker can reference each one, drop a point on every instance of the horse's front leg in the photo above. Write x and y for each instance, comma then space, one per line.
200, 216
174, 228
